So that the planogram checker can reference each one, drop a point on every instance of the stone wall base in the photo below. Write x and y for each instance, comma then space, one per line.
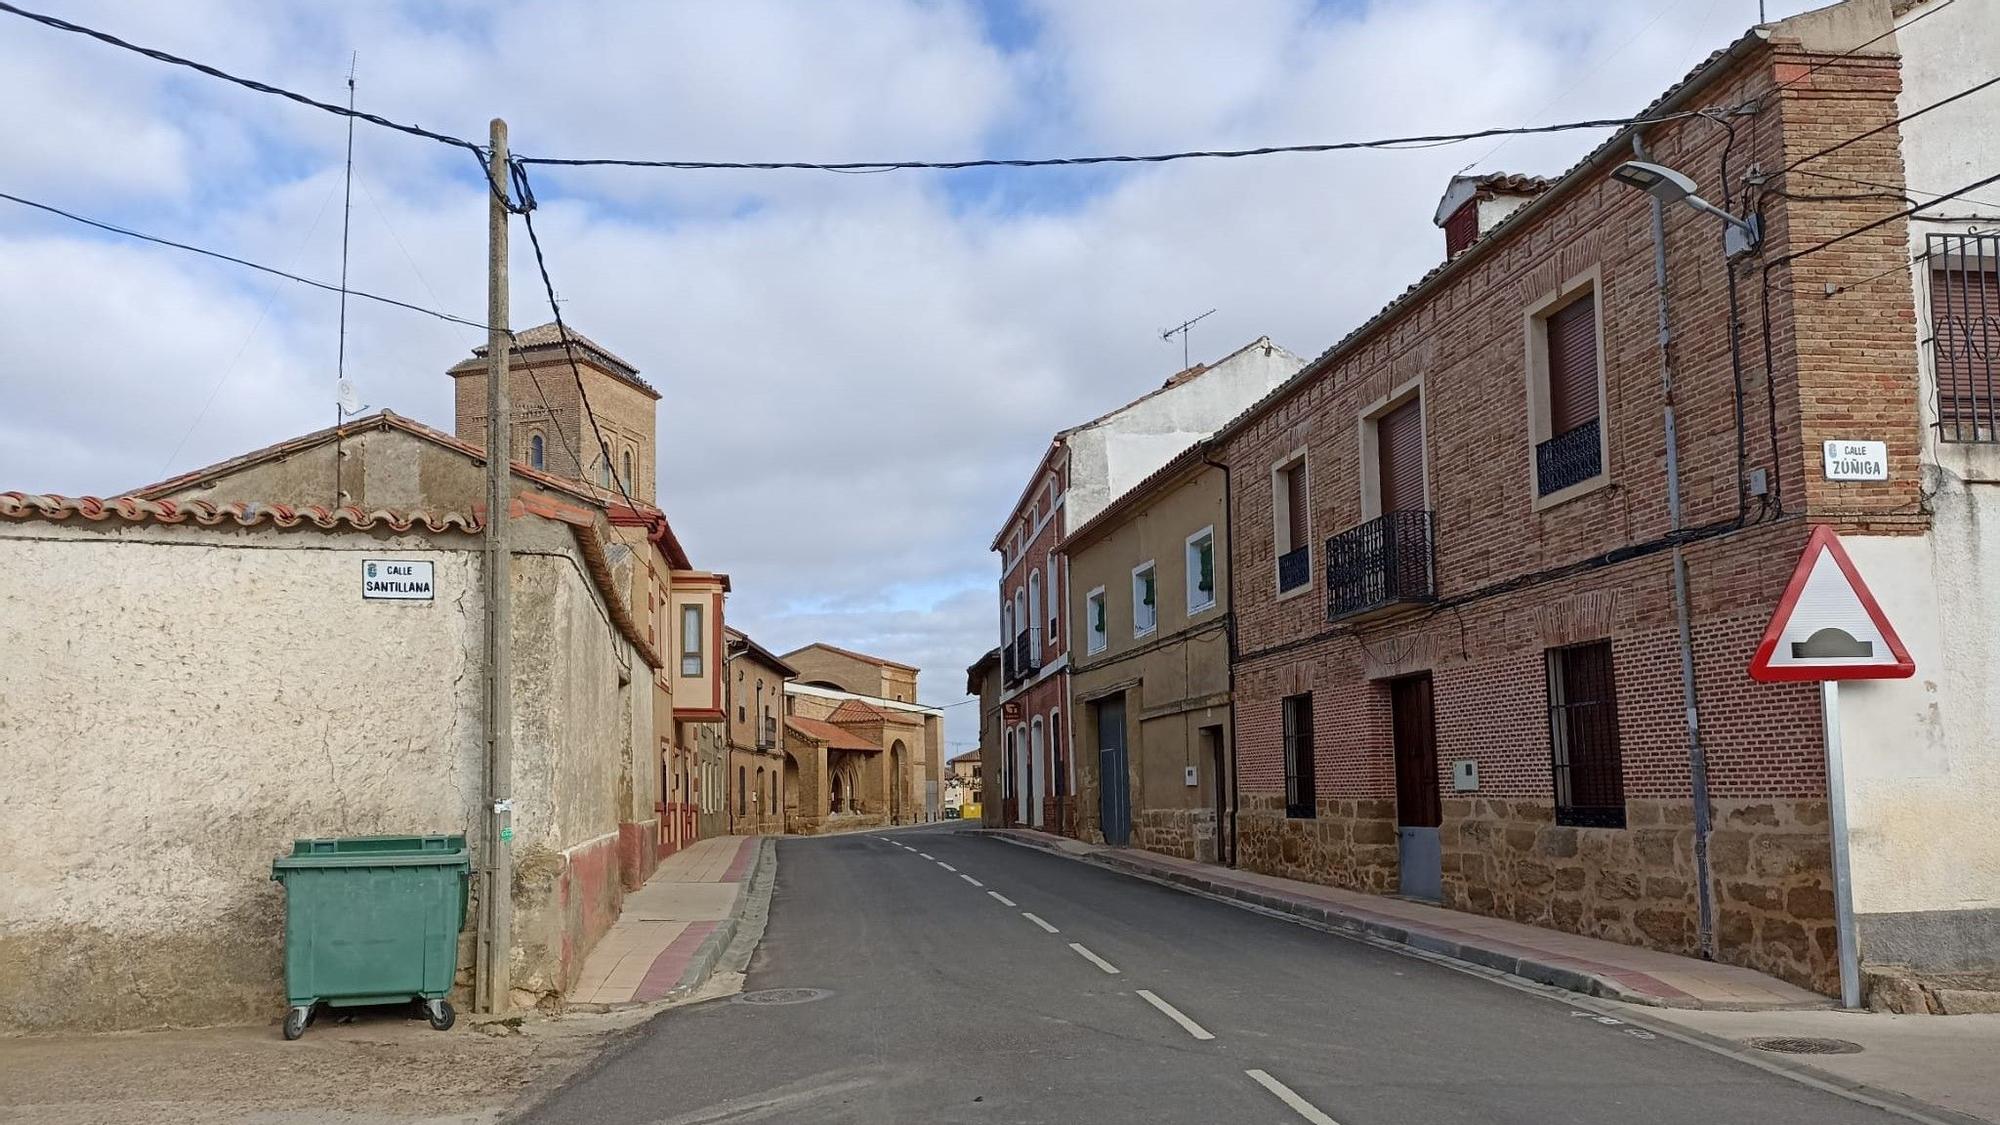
1186, 833
1350, 844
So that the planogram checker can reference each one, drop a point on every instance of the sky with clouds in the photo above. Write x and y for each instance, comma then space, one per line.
858, 371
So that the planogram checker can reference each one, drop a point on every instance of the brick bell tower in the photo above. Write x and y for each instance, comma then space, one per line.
551, 432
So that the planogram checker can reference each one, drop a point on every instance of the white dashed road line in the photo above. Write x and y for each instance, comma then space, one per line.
1094, 958
928, 856
1039, 922
1002, 899
947, 866
971, 880
1284, 1093
1176, 1015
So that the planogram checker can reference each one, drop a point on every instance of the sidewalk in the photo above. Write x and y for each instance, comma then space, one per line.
673, 928
1580, 964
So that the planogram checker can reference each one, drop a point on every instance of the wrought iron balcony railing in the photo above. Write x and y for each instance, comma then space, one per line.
1383, 563
767, 738
1294, 568
1568, 458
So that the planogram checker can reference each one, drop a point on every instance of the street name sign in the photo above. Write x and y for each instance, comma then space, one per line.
1856, 460
402, 580
1827, 625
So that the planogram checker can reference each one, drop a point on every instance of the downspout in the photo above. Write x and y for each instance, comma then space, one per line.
1229, 639
1697, 757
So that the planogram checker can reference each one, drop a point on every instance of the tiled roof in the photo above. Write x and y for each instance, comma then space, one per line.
855, 711
1694, 82
546, 336
851, 653
1515, 182
744, 644
836, 738
24, 506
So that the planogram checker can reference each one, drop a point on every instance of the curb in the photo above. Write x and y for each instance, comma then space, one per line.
712, 947
1335, 920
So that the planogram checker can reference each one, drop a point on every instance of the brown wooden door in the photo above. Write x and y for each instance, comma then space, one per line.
1417, 803
1399, 448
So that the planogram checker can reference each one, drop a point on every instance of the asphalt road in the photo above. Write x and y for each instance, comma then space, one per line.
945, 1003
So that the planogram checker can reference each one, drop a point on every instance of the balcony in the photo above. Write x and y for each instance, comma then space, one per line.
1380, 566
767, 737
1568, 458
1026, 660
1009, 674
1294, 568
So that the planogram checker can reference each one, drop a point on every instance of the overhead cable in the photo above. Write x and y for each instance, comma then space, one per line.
272, 270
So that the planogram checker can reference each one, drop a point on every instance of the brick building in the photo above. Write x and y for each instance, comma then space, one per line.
1084, 468
1459, 649
860, 751
755, 699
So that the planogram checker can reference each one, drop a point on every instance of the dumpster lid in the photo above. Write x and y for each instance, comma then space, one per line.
374, 851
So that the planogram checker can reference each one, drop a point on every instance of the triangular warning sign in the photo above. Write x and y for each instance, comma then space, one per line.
1827, 625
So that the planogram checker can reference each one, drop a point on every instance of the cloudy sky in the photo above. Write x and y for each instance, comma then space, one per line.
858, 371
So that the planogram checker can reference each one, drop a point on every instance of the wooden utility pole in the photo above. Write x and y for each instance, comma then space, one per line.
496, 869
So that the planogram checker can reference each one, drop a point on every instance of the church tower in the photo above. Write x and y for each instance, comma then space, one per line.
551, 431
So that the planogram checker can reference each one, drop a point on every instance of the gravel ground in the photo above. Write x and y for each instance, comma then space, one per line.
376, 1069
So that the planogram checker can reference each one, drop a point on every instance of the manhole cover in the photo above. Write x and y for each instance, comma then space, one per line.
1802, 1045
783, 996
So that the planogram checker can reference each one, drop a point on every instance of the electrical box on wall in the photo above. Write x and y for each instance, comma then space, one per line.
1465, 775
1192, 780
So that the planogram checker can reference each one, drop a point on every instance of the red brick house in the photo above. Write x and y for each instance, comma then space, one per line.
1084, 468
1458, 633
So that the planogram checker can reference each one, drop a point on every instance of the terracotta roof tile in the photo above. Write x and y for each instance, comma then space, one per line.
855, 711
23, 506
546, 336
836, 738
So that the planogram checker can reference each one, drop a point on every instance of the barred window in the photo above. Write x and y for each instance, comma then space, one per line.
1583, 737
1965, 334
1301, 794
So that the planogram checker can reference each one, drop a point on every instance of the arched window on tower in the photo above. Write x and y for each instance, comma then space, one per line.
536, 455
628, 468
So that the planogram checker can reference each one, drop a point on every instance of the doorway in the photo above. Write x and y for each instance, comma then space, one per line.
1211, 759
1419, 810
1114, 794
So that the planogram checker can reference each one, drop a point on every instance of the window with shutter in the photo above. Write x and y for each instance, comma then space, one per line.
1572, 365
1399, 446
1965, 334
1291, 524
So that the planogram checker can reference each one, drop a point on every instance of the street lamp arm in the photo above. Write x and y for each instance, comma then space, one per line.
1703, 205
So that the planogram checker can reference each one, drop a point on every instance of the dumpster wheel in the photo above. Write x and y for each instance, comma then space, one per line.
296, 1020
442, 1014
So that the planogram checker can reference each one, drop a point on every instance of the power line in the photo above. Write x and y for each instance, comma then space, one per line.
1905, 213
1388, 143
1891, 123
246, 83
1894, 28
272, 270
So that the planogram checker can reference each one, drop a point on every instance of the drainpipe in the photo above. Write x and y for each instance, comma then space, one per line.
1229, 638
1697, 757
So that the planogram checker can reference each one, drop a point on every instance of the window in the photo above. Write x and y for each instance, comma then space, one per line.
1965, 334
604, 470
1054, 612
741, 797
1093, 610
1301, 794
1201, 570
1399, 459
628, 468
1291, 525
1058, 773
1145, 606
1583, 737
1569, 446
691, 640
537, 455
1035, 613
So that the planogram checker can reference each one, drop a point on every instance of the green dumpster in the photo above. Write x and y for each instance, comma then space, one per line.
372, 920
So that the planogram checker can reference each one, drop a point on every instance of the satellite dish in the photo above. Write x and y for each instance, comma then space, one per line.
350, 402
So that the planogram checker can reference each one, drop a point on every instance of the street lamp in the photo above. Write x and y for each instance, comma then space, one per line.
1669, 187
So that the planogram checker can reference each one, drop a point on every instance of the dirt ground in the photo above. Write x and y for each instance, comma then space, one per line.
376, 1068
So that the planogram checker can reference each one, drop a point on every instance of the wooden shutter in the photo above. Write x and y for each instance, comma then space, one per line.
1572, 344
1295, 507
1399, 446
1965, 325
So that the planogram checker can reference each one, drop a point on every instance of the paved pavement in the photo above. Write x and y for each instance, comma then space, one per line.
664, 925
1592, 966
971, 980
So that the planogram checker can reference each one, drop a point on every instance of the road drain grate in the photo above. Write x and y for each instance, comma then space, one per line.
1802, 1045
783, 996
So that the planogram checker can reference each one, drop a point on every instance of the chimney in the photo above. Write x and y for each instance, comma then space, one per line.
1474, 205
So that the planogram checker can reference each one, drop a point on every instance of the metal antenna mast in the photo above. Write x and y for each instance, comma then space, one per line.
342, 394
1180, 329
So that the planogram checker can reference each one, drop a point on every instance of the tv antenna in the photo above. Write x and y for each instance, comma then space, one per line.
346, 402
1180, 330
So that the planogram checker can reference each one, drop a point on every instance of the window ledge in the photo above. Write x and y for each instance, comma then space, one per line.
1137, 633
1575, 491
1302, 588
1202, 608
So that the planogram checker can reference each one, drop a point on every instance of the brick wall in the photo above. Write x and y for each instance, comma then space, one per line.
545, 401
1516, 578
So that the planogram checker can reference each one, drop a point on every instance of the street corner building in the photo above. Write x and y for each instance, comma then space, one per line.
756, 705
289, 644
860, 752
1488, 593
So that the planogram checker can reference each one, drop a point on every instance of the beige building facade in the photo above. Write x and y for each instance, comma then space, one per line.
861, 752
755, 781
1150, 699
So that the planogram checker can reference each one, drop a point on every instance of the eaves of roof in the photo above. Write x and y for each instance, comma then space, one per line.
24, 506
1670, 101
